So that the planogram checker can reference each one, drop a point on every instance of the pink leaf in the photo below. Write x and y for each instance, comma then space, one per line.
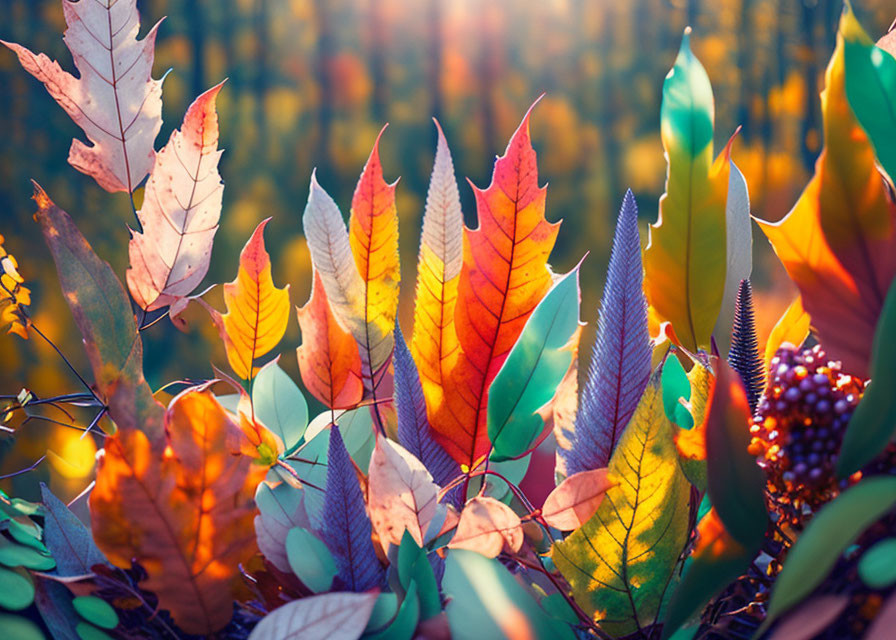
811, 618
576, 499
487, 526
114, 100
181, 209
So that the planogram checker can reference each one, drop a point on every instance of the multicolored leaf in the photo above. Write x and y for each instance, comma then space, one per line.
503, 278
257, 311
180, 212
114, 98
686, 257
488, 527
620, 360
620, 562
837, 242
182, 508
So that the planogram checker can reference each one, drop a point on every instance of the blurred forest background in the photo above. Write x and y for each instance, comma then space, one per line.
311, 82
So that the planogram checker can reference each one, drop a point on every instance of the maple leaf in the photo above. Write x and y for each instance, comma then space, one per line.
328, 357
182, 507
114, 100
503, 278
180, 212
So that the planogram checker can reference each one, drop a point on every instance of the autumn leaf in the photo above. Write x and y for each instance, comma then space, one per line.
182, 508
487, 526
503, 278
837, 242
434, 343
329, 360
321, 617
180, 212
686, 256
257, 311
792, 327
620, 562
114, 98
572, 503
13, 295
103, 314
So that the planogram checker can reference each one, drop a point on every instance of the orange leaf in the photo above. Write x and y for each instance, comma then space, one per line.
183, 511
487, 526
572, 503
837, 243
503, 278
328, 356
257, 311
792, 327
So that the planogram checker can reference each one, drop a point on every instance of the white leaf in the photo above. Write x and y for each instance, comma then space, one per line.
330, 616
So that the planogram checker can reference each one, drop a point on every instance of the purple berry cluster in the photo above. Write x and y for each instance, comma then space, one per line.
799, 425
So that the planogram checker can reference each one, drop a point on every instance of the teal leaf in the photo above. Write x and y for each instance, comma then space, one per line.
676, 386
96, 611
877, 566
19, 628
281, 507
280, 405
16, 590
16, 555
414, 568
405, 621
310, 560
87, 631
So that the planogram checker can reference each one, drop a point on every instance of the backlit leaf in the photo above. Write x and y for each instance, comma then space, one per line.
572, 503
619, 563
686, 257
792, 327
329, 616
281, 507
487, 526
739, 240
114, 98
279, 404
310, 559
180, 212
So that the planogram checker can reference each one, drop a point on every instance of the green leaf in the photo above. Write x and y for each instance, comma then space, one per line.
96, 611
16, 555
414, 568
532, 371
620, 562
383, 613
487, 603
675, 385
18, 628
829, 533
877, 566
735, 482
310, 560
356, 427
280, 405
16, 590
874, 421
87, 631
513, 470
405, 621
871, 89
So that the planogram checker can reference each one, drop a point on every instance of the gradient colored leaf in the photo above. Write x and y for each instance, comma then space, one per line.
345, 526
180, 212
620, 562
686, 256
739, 240
620, 360
257, 311
503, 278
792, 327
434, 343
105, 319
691, 442
114, 98
572, 503
183, 509
837, 242
488, 526
534, 368
329, 360
329, 616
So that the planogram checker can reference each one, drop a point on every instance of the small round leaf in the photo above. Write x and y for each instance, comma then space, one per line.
877, 567
97, 611
16, 590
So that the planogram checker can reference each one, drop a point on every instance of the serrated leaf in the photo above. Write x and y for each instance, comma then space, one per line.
180, 212
279, 404
619, 563
257, 311
534, 368
329, 616
487, 526
572, 503
743, 357
346, 528
685, 260
620, 360
114, 98
68, 539
329, 360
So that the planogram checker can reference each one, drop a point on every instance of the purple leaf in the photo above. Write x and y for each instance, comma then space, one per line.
68, 539
620, 360
744, 353
413, 426
346, 528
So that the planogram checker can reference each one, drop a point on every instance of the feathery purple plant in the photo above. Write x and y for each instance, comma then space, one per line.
346, 528
744, 353
620, 360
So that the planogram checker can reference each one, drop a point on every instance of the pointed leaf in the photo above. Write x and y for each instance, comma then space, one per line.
620, 361
180, 213
279, 404
811, 618
257, 311
329, 616
685, 260
346, 527
792, 327
182, 510
67, 538
572, 503
503, 277
739, 238
114, 98
488, 526
329, 360
619, 563
310, 559
744, 354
